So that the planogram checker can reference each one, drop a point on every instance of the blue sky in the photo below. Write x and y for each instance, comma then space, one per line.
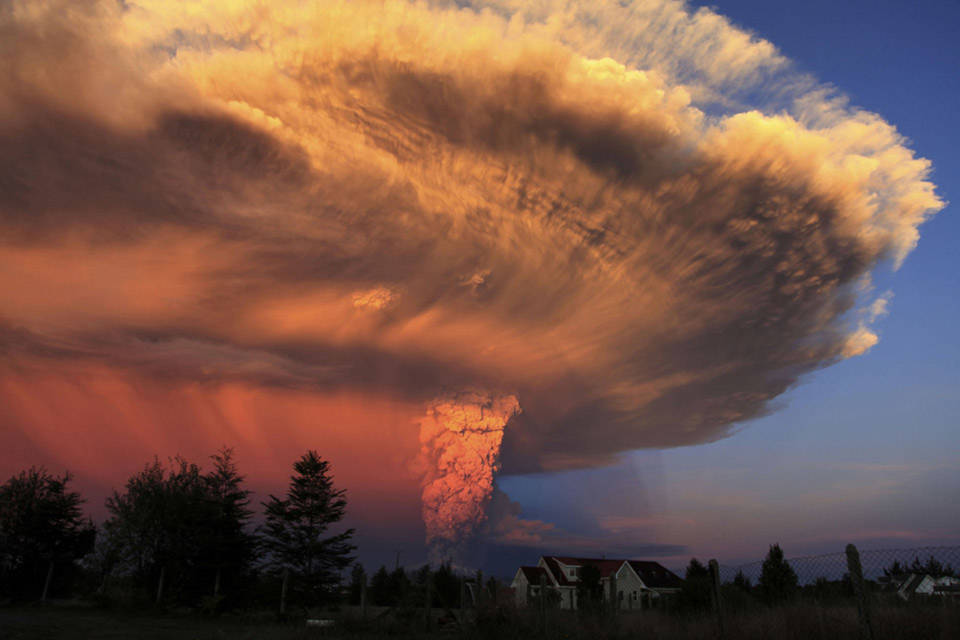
866, 450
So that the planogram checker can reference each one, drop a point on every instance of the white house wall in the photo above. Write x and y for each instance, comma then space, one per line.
628, 583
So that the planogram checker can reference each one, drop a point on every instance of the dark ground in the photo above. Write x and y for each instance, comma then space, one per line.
798, 622
74, 623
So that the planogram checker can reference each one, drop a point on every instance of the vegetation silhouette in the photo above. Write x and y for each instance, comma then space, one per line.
41, 527
295, 534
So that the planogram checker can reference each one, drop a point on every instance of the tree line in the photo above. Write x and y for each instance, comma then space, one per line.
177, 534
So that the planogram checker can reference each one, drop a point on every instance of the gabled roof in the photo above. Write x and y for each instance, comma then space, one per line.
605, 565
557, 572
533, 574
655, 575
911, 583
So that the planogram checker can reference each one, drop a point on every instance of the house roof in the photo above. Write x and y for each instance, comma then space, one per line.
655, 575
606, 566
557, 572
911, 584
533, 574
947, 588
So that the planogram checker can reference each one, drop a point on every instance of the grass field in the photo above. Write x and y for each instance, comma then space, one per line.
801, 621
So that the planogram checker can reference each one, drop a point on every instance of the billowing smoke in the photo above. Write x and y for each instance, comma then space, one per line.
583, 203
460, 441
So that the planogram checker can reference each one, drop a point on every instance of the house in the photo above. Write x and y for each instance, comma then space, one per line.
639, 584
922, 584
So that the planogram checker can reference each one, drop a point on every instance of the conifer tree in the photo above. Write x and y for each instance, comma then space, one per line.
296, 532
778, 581
229, 548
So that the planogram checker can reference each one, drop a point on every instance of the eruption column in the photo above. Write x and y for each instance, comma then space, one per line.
460, 441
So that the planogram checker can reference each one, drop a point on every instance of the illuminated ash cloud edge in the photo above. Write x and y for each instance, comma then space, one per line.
571, 202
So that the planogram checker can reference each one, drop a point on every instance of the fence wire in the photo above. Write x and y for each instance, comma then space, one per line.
879, 565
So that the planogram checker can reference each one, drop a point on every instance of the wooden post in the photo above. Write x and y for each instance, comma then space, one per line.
614, 603
46, 583
216, 584
715, 591
163, 574
543, 604
283, 591
860, 591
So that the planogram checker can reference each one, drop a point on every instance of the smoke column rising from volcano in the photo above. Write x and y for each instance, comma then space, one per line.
460, 440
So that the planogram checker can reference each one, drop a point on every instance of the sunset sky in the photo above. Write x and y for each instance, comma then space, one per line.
650, 280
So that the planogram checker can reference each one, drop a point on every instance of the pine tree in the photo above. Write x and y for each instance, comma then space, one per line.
742, 582
400, 586
380, 592
357, 579
695, 593
296, 527
778, 581
229, 547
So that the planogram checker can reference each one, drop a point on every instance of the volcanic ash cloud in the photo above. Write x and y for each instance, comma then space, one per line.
569, 201
460, 440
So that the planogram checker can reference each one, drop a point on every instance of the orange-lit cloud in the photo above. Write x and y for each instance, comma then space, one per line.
383, 201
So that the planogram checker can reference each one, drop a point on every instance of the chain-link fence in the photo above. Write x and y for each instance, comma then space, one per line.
880, 566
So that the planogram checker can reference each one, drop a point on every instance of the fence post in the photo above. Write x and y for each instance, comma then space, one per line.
715, 592
614, 603
543, 604
860, 591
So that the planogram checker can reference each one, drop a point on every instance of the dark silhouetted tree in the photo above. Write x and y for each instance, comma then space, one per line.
932, 567
161, 523
742, 582
778, 581
380, 588
296, 532
357, 578
589, 588
446, 583
181, 533
400, 587
41, 528
229, 549
896, 570
696, 590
